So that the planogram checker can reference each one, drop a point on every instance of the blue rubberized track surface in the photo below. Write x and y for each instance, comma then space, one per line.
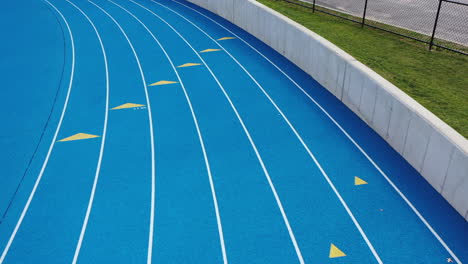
155, 131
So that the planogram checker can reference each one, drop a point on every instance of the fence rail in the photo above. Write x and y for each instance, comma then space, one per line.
437, 23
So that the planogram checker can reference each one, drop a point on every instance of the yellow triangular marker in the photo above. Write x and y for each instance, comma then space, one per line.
78, 136
161, 83
127, 105
359, 181
336, 252
209, 50
225, 38
188, 65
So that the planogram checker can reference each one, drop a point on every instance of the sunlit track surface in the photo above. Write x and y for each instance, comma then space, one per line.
165, 134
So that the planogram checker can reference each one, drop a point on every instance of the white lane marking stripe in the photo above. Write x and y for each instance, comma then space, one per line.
101, 152
44, 165
348, 210
343, 131
202, 144
153, 179
265, 171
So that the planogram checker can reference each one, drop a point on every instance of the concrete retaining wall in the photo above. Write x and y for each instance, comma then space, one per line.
433, 148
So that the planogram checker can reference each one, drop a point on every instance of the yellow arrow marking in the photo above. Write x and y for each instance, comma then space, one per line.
225, 38
336, 252
209, 50
78, 136
359, 181
188, 65
161, 83
127, 105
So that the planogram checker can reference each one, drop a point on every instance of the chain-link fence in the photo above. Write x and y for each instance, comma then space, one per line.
438, 23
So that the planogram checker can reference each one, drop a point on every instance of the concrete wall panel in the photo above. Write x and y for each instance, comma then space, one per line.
225, 8
398, 126
333, 72
455, 189
368, 100
294, 47
382, 112
352, 89
417, 141
435, 165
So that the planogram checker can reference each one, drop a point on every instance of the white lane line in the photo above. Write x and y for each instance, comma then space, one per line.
343, 131
200, 138
254, 147
54, 139
337, 193
104, 133
150, 117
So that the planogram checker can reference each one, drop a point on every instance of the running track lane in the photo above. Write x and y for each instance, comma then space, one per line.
246, 167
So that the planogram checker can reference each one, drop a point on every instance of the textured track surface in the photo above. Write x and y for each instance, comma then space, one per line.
155, 131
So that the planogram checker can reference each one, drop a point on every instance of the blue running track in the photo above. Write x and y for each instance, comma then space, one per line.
141, 131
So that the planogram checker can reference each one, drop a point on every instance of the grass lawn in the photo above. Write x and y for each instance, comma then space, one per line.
437, 79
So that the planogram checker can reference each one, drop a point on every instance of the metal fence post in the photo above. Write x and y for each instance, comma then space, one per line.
363, 22
435, 25
313, 7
